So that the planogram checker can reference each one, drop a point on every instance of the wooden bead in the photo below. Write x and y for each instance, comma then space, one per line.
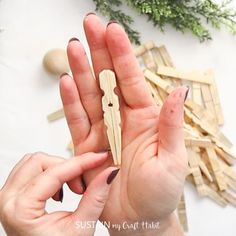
56, 62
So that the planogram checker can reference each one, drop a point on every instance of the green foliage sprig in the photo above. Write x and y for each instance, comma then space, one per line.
183, 15
108, 8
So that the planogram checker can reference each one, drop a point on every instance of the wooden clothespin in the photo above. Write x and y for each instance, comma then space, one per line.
112, 119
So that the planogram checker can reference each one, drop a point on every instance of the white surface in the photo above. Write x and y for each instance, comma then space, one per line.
28, 93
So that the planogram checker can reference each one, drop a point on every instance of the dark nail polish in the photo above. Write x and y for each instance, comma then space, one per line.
112, 176
61, 194
83, 184
73, 39
63, 74
112, 22
186, 95
91, 13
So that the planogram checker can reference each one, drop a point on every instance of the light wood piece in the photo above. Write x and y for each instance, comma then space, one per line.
56, 115
112, 119
191, 76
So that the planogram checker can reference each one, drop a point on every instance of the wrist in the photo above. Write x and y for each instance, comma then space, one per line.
168, 226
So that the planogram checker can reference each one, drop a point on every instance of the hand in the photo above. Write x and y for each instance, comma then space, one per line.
38, 177
154, 159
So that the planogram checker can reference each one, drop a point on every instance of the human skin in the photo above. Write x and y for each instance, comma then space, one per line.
38, 177
154, 160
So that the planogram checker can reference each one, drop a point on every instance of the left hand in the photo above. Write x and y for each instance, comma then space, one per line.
38, 177
154, 158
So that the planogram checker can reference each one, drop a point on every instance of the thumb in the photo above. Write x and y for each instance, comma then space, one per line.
171, 135
94, 199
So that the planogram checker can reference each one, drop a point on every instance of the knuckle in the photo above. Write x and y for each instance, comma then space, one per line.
99, 201
75, 119
133, 81
26, 156
52, 176
88, 96
38, 154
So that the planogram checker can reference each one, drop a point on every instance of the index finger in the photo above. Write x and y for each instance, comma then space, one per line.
50, 181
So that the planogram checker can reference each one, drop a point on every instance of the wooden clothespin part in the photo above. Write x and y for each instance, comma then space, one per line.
56, 115
112, 119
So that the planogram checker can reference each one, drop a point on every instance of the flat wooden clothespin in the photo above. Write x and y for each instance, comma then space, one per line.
112, 119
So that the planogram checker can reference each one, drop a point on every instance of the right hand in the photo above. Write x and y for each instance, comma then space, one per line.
38, 177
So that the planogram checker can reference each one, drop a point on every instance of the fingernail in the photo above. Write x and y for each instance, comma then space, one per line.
112, 22
83, 184
63, 75
103, 151
73, 39
91, 13
186, 95
112, 176
61, 194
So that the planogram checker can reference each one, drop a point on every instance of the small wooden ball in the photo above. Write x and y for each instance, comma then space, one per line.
56, 62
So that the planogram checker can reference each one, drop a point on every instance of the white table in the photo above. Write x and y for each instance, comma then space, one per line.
28, 93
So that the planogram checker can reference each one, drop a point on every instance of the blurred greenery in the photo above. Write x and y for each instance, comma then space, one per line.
183, 15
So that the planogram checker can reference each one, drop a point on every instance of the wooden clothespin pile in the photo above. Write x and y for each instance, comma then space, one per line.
210, 155
209, 151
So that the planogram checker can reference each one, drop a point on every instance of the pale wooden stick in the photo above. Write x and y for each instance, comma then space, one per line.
197, 93
182, 213
216, 98
191, 132
205, 170
208, 100
197, 176
210, 192
215, 196
143, 48
217, 171
224, 156
112, 119
149, 61
70, 146
157, 57
158, 61
223, 139
217, 104
201, 113
191, 76
231, 183
189, 171
56, 115
158, 81
217, 136
199, 142
223, 147
227, 170
229, 197
165, 56
203, 125
167, 61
